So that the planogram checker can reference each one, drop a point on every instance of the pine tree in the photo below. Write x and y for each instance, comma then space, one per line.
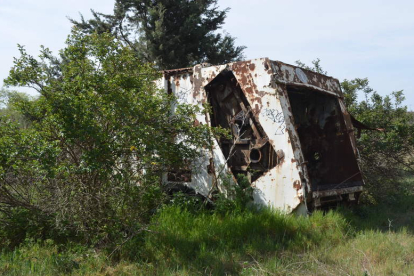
170, 33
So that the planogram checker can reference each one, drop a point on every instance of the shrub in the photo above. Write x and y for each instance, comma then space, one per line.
100, 136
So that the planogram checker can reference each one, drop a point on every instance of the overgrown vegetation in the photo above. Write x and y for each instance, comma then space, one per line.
181, 242
81, 166
387, 153
89, 165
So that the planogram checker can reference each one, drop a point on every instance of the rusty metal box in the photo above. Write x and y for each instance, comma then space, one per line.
292, 136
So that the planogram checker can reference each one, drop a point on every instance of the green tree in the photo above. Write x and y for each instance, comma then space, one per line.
173, 34
8, 98
387, 149
101, 135
316, 66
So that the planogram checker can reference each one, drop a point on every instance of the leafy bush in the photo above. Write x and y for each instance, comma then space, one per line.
387, 155
236, 198
100, 136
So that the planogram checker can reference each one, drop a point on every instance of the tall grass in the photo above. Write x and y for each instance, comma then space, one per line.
183, 242
220, 244
367, 240
367, 253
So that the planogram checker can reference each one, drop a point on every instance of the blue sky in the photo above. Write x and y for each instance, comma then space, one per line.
373, 39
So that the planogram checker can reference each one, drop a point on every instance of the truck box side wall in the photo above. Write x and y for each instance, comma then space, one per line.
280, 187
324, 139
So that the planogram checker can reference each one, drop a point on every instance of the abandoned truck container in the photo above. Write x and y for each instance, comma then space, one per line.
291, 133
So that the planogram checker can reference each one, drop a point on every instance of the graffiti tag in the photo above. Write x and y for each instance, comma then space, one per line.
278, 118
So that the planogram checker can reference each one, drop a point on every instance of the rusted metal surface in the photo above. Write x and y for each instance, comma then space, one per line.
248, 152
325, 140
291, 133
335, 192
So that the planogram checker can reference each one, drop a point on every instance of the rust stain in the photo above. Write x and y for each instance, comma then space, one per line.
297, 185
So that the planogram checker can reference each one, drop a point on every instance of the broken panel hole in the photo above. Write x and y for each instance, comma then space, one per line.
324, 139
248, 150
255, 155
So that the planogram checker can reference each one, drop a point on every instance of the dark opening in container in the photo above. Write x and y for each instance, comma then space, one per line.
324, 139
255, 155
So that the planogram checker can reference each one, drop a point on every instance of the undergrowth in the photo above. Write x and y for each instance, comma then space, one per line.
185, 238
181, 242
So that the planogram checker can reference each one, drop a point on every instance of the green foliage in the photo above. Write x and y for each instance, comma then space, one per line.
386, 153
233, 198
8, 100
317, 67
101, 135
209, 242
236, 197
181, 242
189, 202
46, 258
173, 34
